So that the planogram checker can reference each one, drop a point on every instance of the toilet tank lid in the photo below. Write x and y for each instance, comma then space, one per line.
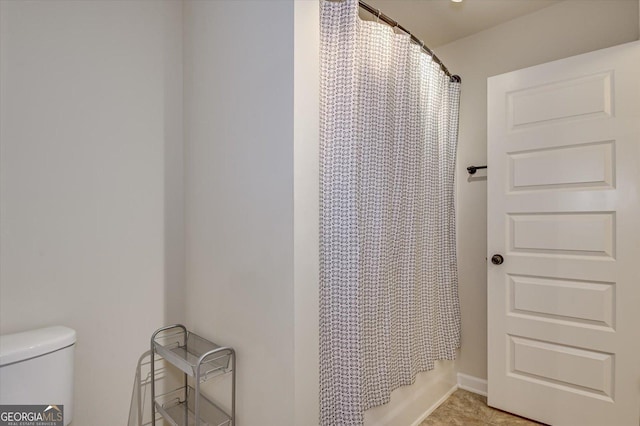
30, 344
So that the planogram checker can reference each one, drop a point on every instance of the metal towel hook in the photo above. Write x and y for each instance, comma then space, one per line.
378, 15
473, 169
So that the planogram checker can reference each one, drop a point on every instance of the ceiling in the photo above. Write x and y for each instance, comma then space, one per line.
439, 22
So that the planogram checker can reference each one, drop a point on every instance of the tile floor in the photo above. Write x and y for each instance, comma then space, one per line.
469, 409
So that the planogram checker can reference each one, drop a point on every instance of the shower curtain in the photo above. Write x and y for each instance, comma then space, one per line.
388, 279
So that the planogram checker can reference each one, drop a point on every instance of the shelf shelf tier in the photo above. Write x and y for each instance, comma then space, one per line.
178, 409
199, 358
192, 354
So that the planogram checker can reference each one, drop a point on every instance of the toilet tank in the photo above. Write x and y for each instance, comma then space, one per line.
36, 368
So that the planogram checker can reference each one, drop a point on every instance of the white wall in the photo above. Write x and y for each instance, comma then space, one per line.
174, 202
239, 194
566, 29
90, 168
306, 210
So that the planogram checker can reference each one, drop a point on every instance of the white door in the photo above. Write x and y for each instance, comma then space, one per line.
564, 212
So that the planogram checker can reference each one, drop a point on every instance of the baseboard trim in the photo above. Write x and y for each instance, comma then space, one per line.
466, 382
472, 384
434, 406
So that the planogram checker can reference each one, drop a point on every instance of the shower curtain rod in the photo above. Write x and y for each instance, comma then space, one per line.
387, 20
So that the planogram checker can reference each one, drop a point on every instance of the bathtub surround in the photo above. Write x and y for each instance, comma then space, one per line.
410, 405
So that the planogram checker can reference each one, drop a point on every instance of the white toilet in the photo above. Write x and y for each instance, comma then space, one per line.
36, 368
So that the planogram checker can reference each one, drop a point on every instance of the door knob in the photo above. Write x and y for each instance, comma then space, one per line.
497, 259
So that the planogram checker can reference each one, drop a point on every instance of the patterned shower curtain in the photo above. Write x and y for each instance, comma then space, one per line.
388, 279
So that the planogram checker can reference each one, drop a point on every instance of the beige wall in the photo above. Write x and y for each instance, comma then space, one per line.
566, 29
239, 194
90, 167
